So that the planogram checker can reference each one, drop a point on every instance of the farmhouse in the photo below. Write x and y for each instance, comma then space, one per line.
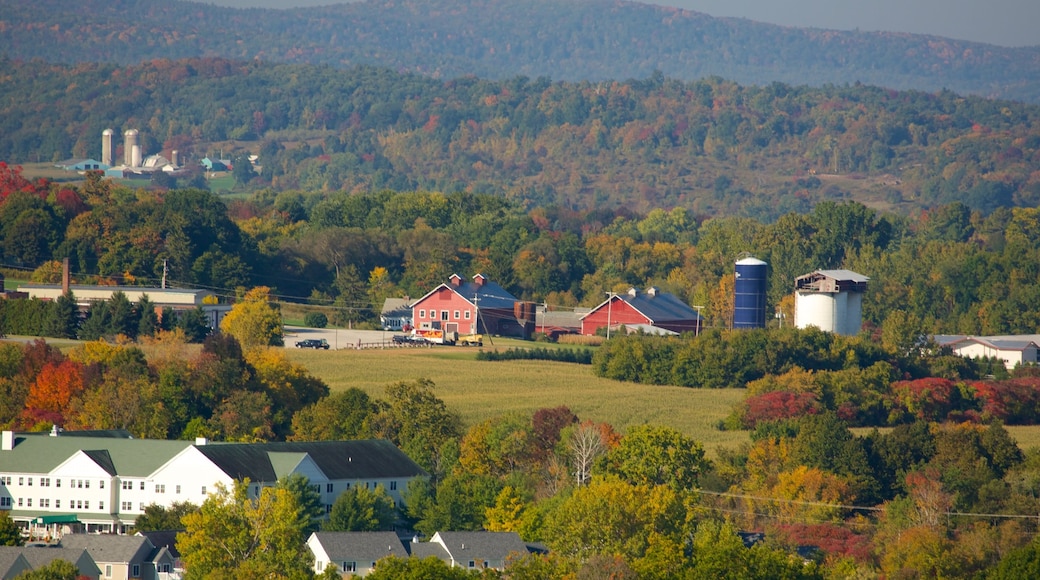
480, 306
396, 314
651, 308
101, 481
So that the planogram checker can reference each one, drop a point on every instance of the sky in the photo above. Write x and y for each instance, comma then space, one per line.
1001, 22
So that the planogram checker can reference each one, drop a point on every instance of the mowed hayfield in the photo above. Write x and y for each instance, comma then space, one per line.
480, 390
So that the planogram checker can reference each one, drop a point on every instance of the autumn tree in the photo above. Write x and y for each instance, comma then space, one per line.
340, 416
254, 321
657, 455
234, 535
158, 517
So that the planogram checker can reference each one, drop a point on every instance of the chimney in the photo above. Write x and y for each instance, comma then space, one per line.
200, 441
66, 281
7, 441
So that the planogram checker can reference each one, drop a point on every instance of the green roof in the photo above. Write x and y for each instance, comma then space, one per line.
41, 453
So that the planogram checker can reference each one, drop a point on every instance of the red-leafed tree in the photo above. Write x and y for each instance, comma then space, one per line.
777, 405
1015, 401
11, 180
932, 399
55, 387
831, 539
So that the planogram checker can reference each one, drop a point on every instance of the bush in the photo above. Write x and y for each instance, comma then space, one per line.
583, 356
315, 320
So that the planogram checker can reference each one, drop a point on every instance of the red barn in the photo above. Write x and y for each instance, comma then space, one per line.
653, 308
479, 306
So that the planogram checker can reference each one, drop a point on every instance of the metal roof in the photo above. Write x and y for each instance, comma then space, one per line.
41, 453
487, 294
656, 306
848, 275
338, 460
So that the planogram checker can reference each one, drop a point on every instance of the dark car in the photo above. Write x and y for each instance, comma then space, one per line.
313, 343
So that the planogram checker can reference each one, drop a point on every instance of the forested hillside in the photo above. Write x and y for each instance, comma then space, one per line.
711, 146
575, 40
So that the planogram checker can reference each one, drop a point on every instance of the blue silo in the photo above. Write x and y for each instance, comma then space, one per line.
749, 300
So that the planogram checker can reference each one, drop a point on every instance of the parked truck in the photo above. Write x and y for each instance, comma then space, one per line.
436, 335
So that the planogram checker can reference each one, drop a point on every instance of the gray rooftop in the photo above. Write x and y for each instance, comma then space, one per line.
659, 307
339, 460
361, 546
464, 546
109, 547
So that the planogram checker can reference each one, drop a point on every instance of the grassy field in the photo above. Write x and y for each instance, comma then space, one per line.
479, 390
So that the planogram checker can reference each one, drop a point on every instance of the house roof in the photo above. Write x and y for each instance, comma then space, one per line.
163, 539
655, 305
41, 453
423, 550
464, 546
110, 547
1003, 342
360, 546
12, 562
39, 557
338, 460
397, 307
480, 292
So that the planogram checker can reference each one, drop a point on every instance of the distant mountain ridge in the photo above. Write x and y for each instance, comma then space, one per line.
563, 39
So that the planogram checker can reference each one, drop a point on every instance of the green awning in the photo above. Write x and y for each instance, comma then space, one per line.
58, 519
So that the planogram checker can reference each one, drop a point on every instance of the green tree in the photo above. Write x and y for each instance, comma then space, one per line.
10, 534
63, 321
55, 570
418, 422
657, 455
431, 568
311, 511
234, 534
194, 323
254, 321
361, 509
343, 415
157, 517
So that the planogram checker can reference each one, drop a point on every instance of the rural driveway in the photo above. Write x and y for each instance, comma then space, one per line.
339, 338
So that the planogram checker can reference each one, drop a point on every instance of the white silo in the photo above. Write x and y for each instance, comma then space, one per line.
175, 158
107, 137
135, 156
129, 143
831, 300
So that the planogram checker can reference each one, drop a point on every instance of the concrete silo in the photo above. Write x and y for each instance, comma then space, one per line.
130, 144
107, 150
831, 300
749, 293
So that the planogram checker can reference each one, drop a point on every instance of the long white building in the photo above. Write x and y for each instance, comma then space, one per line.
102, 482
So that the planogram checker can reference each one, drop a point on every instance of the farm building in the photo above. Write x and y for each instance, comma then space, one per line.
480, 306
1012, 350
396, 314
831, 300
652, 308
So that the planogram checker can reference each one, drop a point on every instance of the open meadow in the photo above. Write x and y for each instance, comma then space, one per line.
481, 389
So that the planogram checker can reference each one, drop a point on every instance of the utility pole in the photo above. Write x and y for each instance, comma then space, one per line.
164, 262
697, 332
610, 303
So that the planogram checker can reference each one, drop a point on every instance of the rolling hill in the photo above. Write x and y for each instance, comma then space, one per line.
573, 40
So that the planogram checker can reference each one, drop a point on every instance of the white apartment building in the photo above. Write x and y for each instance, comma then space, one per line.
101, 481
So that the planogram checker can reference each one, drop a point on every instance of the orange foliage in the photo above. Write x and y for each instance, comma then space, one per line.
55, 386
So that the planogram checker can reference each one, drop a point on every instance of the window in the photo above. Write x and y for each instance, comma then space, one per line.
45, 482
350, 566
204, 490
101, 484
5, 502
472, 564
366, 485
5, 480
101, 505
328, 488
485, 563
46, 503
137, 571
348, 486
21, 481
444, 314
140, 506
28, 502
57, 503
456, 315
108, 570
19, 502
160, 488
393, 485
30, 482
79, 484
142, 486
86, 504
467, 315
57, 483
178, 489
125, 506
79, 504
422, 314
166, 568
86, 484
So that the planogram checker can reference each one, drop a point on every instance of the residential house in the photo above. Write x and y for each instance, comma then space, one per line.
476, 307
652, 308
353, 553
396, 314
39, 557
122, 557
12, 563
105, 483
1012, 350
356, 553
